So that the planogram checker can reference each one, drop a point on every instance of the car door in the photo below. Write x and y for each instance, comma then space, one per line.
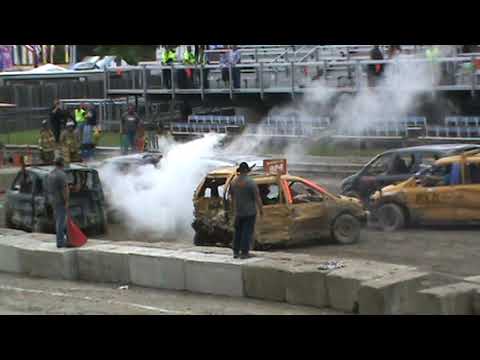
309, 211
434, 203
402, 166
467, 195
273, 227
20, 201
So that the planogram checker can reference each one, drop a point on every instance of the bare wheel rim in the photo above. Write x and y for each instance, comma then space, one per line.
389, 216
345, 227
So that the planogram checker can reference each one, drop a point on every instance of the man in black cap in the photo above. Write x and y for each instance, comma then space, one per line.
59, 197
245, 200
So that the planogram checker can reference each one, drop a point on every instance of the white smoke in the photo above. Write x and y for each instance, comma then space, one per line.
393, 97
158, 201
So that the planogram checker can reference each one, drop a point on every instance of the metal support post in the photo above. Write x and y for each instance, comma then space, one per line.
105, 83
202, 80
230, 72
145, 93
358, 75
293, 79
261, 81
172, 77
474, 76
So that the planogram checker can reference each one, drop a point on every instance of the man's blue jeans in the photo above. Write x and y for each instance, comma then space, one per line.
131, 139
61, 225
244, 230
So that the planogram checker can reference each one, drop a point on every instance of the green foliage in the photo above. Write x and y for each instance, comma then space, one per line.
132, 54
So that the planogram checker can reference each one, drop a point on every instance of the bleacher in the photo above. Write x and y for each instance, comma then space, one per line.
290, 126
387, 128
460, 127
202, 124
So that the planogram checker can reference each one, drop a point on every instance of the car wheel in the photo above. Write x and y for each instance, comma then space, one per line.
346, 229
8, 220
198, 239
390, 217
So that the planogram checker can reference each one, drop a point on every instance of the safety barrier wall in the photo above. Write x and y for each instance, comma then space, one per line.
343, 284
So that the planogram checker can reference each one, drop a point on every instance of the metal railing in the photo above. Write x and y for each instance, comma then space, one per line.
459, 73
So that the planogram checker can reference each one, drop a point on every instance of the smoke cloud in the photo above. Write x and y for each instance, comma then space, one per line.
158, 201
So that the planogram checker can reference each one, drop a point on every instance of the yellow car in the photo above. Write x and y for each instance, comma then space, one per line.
295, 210
447, 193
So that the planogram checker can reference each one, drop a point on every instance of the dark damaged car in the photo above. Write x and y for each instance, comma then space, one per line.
28, 206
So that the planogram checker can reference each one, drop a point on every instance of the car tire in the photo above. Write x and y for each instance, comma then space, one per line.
390, 217
199, 239
8, 220
346, 229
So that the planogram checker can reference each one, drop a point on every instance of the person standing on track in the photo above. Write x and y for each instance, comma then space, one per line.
245, 200
59, 195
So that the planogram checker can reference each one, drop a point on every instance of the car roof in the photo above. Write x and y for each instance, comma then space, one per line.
43, 170
457, 158
442, 148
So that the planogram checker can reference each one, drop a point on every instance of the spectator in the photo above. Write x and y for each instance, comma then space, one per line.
225, 62
87, 141
59, 197
70, 144
188, 60
375, 70
245, 200
80, 119
169, 57
204, 60
57, 120
129, 126
235, 60
46, 143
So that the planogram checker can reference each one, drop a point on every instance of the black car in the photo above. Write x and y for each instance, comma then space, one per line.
395, 166
28, 206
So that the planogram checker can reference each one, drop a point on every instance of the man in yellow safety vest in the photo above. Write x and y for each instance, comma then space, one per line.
168, 58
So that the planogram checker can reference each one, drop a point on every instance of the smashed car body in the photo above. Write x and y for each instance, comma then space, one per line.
295, 210
28, 206
446, 193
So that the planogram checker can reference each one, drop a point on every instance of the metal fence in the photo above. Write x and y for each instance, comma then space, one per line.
458, 73
15, 121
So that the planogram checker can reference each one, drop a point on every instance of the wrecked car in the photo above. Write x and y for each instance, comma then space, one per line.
395, 166
28, 205
128, 163
446, 193
295, 210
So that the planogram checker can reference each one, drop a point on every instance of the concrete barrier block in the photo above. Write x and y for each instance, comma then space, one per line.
391, 294
453, 299
266, 279
104, 263
157, 268
10, 253
4, 232
42, 259
214, 274
343, 284
476, 302
306, 285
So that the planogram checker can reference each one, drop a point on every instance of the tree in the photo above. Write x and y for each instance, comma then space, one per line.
132, 54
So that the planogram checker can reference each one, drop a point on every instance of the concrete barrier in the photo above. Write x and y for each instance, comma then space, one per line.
343, 284
104, 263
157, 268
214, 273
10, 248
453, 299
390, 295
367, 286
306, 285
266, 279
42, 259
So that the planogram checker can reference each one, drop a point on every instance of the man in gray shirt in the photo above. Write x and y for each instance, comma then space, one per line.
245, 199
59, 196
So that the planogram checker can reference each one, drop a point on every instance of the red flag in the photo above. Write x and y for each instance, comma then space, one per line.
75, 236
